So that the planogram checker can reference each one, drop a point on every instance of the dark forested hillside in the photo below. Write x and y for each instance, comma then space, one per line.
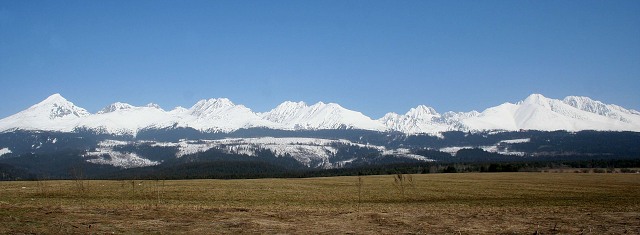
186, 153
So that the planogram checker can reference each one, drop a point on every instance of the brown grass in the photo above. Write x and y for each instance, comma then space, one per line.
502, 203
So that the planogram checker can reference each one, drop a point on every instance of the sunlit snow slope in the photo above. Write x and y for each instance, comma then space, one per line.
536, 112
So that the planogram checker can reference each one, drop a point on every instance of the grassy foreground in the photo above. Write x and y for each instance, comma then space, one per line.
474, 203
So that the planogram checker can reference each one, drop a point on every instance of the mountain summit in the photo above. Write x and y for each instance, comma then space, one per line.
56, 106
55, 113
292, 115
536, 112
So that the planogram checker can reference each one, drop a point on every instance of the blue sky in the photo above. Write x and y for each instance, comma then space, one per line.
370, 56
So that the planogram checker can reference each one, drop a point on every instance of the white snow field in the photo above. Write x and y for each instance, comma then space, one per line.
536, 112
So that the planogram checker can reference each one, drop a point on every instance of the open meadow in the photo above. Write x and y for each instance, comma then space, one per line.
470, 203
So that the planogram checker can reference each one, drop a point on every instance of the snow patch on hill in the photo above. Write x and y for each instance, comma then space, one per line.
311, 152
104, 154
501, 147
307, 151
402, 152
4, 151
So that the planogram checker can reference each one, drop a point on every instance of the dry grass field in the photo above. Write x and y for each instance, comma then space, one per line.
482, 203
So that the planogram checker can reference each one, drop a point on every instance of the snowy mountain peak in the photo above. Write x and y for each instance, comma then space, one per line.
53, 113
390, 117
55, 98
421, 119
284, 112
326, 109
205, 107
422, 111
115, 107
298, 115
214, 103
289, 106
179, 110
322, 105
537, 99
152, 105
292, 105
56, 106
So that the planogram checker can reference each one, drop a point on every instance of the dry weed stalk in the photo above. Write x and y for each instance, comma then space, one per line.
359, 185
402, 182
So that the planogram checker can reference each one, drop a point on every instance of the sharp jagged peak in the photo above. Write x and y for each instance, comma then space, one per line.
471, 113
286, 111
115, 107
594, 106
583, 102
391, 114
421, 111
118, 106
293, 103
153, 105
217, 106
290, 105
213, 103
286, 108
329, 109
579, 99
390, 117
321, 104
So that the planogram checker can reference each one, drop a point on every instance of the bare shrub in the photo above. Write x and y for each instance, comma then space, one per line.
42, 185
77, 174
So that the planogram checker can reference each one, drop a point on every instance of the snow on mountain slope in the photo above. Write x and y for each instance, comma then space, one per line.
105, 155
494, 118
115, 107
4, 151
286, 113
55, 113
608, 110
536, 112
311, 152
221, 115
296, 116
122, 118
421, 119
539, 112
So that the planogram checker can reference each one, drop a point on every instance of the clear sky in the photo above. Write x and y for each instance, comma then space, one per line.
370, 56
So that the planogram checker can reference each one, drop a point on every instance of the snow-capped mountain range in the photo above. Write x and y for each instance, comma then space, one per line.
536, 112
